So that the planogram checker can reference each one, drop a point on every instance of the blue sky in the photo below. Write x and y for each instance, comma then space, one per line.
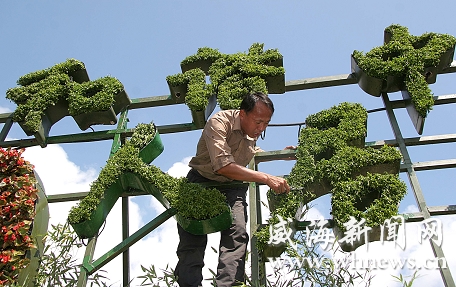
141, 42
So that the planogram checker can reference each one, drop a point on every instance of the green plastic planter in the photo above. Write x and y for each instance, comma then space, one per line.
90, 228
211, 225
276, 84
178, 93
125, 182
200, 117
273, 250
107, 117
152, 150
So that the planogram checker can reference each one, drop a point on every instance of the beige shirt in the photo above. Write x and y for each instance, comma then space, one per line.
222, 142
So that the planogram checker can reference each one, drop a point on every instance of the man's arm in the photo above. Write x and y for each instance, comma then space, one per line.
238, 172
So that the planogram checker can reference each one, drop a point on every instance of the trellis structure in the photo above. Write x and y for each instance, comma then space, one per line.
121, 132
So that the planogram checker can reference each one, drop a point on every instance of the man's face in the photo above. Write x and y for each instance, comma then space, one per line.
255, 122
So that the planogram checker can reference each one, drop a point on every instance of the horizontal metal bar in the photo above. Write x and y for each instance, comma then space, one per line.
149, 102
416, 141
432, 165
320, 82
285, 154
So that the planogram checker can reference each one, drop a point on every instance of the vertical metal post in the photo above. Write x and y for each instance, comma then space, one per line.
125, 234
88, 256
255, 222
90, 249
437, 250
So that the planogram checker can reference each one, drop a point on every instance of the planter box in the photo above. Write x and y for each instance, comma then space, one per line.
87, 120
319, 188
51, 115
152, 150
211, 225
273, 250
417, 119
39, 229
121, 101
125, 182
178, 93
200, 117
375, 87
276, 84
79, 76
107, 117
90, 228
131, 181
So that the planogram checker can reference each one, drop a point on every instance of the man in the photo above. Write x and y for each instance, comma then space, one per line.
226, 146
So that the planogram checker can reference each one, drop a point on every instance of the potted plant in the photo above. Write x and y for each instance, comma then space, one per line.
198, 209
24, 216
231, 77
41, 97
348, 195
330, 151
405, 63
144, 146
93, 102
193, 82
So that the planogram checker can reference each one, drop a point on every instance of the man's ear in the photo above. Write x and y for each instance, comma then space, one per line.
242, 114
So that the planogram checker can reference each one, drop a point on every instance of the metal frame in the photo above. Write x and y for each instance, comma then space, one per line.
121, 132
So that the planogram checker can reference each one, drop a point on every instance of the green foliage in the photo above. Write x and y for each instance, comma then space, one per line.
191, 200
43, 89
347, 194
232, 76
331, 153
58, 266
144, 134
406, 56
204, 53
402, 279
67, 67
93, 96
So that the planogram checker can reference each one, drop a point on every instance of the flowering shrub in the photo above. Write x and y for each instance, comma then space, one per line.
17, 205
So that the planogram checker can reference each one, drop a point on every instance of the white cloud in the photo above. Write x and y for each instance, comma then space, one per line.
4, 110
180, 169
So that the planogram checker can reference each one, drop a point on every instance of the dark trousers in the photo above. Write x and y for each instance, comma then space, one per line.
232, 250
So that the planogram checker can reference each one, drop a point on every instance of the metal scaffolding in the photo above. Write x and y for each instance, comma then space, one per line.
121, 132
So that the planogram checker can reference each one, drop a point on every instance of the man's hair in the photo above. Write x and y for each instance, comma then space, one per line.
249, 101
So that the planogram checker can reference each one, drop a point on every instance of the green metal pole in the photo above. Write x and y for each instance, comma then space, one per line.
438, 252
124, 245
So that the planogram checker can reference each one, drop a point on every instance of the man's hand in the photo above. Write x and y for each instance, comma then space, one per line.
278, 184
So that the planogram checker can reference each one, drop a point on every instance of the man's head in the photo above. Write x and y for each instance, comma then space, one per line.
255, 112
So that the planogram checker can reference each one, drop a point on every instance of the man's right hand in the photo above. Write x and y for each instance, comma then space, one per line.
278, 184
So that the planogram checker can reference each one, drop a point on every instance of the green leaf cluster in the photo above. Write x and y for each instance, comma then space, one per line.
406, 56
93, 96
347, 194
231, 76
43, 89
191, 200
331, 154
144, 134
204, 53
